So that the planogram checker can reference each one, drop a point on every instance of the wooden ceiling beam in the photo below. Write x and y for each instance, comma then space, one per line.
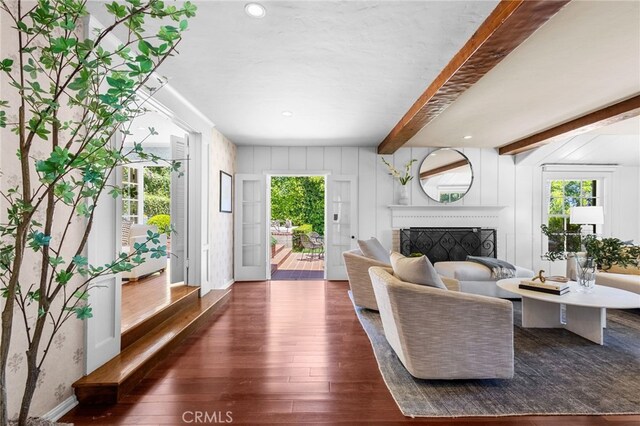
603, 117
508, 25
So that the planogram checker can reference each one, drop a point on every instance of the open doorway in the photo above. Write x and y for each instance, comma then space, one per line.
154, 198
297, 227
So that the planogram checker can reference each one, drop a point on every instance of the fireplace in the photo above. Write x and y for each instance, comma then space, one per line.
448, 244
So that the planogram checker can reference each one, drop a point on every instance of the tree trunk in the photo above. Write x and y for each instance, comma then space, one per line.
33, 370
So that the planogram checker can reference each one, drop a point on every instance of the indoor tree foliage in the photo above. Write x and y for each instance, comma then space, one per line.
72, 94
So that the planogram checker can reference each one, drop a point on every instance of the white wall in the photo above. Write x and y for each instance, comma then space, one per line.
497, 181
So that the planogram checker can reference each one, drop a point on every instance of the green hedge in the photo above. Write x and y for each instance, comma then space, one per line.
295, 238
162, 221
156, 204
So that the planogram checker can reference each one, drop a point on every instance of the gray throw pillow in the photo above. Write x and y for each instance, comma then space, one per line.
372, 249
416, 270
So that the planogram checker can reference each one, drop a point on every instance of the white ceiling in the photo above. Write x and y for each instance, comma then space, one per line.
615, 144
348, 70
160, 123
585, 57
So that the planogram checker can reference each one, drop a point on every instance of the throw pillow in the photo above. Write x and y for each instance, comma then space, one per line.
372, 249
416, 270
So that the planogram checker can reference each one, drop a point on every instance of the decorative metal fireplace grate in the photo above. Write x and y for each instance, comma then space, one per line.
443, 244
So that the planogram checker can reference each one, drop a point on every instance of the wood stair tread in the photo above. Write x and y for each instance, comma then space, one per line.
123, 371
281, 256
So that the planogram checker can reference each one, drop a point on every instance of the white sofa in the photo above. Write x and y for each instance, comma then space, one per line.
475, 278
444, 334
627, 282
138, 234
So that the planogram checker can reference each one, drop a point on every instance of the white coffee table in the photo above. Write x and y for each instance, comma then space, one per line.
585, 313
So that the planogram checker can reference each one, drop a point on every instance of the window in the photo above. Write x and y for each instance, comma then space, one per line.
564, 194
131, 211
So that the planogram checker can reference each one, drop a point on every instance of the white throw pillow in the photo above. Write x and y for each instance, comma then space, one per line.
372, 249
416, 270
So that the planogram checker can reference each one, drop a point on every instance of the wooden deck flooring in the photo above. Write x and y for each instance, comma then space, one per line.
299, 266
281, 352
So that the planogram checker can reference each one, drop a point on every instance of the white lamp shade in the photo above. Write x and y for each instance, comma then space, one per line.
592, 215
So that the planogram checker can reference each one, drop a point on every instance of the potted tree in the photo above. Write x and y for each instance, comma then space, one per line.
68, 94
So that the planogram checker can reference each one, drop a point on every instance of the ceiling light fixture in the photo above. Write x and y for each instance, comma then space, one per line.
287, 113
467, 137
255, 10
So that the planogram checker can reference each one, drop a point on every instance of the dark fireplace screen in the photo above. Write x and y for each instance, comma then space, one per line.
444, 244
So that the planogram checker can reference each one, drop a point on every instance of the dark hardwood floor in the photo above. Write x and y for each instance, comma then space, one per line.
281, 352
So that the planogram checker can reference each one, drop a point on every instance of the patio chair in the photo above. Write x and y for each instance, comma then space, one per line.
309, 244
318, 239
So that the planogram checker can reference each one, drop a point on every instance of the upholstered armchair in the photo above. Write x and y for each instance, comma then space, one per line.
439, 334
138, 234
360, 282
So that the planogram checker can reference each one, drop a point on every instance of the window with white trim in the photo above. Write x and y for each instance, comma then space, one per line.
563, 194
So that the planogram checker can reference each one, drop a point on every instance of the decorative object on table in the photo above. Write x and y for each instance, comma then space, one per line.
546, 284
586, 274
403, 178
446, 175
225, 192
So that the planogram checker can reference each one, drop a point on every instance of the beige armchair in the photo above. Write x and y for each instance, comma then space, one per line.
440, 334
360, 282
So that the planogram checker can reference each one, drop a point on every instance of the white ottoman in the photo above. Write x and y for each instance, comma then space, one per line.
476, 278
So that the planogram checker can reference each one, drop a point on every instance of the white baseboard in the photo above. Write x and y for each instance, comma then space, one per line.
61, 409
229, 283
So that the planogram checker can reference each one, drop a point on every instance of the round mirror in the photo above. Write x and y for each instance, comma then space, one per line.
446, 175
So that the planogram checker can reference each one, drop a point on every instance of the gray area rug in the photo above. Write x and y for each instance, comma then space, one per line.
556, 372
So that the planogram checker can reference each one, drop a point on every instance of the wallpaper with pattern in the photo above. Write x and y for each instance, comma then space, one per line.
223, 153
65, 361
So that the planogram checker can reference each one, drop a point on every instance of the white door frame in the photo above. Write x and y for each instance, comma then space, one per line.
290, 173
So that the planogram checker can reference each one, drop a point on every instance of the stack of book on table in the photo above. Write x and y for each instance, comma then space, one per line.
551, 287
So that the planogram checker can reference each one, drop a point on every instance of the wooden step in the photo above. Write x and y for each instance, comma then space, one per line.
180, 297
116, 378
280, 257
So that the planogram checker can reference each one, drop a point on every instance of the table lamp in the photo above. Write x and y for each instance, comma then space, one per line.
587, 216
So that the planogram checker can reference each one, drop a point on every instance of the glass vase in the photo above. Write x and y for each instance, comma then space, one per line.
586, 274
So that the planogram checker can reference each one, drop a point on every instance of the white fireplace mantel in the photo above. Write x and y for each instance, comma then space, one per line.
445, 216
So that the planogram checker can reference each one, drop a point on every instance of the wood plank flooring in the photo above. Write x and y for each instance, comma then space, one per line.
281, 352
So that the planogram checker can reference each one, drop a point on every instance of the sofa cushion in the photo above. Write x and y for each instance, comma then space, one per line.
626, 270
416, 270
372, 249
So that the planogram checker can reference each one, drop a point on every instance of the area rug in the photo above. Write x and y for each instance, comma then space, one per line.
556, 372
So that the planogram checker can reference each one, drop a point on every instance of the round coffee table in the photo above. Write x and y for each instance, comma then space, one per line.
586, 313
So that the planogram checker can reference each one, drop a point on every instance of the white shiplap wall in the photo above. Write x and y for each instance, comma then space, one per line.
497, 181
494, 184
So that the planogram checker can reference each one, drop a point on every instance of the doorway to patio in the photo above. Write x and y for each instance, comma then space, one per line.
297, 228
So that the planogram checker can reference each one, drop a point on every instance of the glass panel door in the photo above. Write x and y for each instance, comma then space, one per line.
341, 223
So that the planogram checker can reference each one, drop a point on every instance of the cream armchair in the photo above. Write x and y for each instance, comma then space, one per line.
138, 234
358, 266
440, 334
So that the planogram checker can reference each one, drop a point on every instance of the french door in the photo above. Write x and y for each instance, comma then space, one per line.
341, 223
250, 260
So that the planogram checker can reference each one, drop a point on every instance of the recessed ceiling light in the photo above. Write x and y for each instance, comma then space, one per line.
467, 137
287, 113
255, 10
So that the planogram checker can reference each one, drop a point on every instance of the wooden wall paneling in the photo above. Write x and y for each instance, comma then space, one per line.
261, 159
349, 161
489, 183
315, 158
523, 215
418, 197
400, 158
384, 197
244, 162
506, 189
473, 196
367, 190
298, 158
333, 159
280, 158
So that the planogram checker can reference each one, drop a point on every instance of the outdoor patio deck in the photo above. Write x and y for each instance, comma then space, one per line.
298, 266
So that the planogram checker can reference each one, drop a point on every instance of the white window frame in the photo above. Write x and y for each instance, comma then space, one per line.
602, 174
